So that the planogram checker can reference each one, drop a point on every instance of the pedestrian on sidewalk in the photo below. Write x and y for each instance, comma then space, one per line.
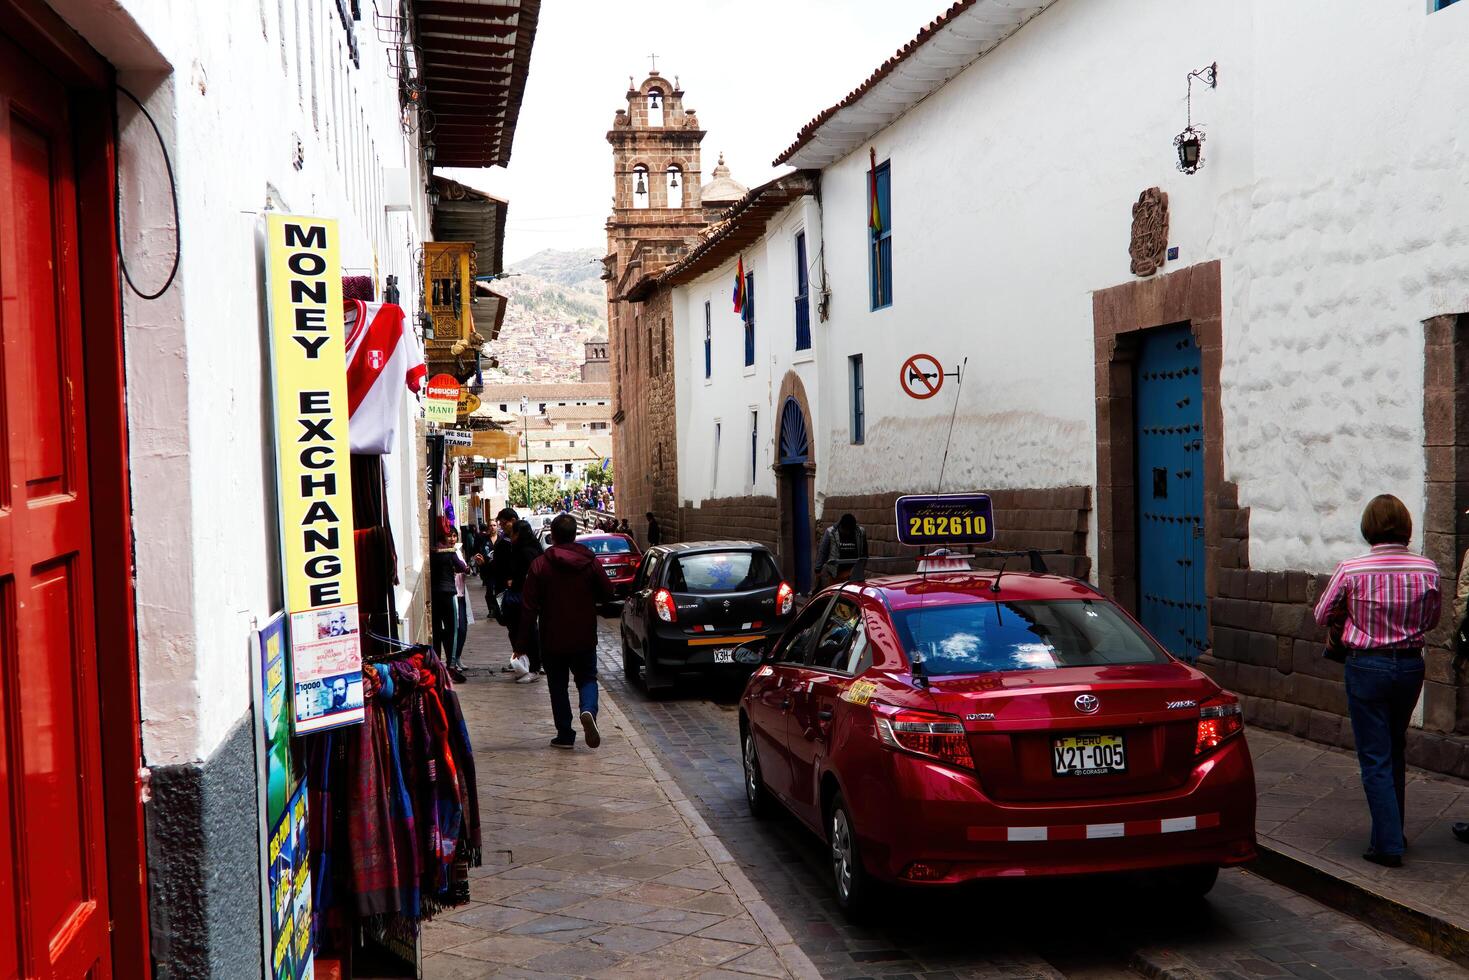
563, 591
445, 566
522, 551
1378, 609
655, 533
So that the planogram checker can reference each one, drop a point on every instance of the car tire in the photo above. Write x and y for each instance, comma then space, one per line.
1189, 884
757, 797
851, 883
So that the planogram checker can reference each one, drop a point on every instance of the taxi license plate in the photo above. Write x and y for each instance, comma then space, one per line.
611, 573
724, 655
1088, 755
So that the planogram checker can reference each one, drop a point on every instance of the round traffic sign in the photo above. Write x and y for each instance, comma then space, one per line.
921, 376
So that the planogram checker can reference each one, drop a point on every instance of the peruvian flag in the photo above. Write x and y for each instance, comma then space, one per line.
383, 358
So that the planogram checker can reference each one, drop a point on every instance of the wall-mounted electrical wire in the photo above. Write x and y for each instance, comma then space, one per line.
173, 189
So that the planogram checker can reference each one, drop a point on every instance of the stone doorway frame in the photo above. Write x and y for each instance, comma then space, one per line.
791, 386
1120, 314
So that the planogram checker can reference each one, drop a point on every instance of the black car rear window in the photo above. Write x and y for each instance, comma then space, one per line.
985, 637
723, 571
608, 546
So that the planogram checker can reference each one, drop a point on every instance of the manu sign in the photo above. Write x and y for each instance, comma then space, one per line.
318, 557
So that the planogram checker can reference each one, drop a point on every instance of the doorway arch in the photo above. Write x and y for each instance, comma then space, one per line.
795, 467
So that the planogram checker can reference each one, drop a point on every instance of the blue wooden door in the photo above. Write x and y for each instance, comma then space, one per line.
795, 450
1170, 489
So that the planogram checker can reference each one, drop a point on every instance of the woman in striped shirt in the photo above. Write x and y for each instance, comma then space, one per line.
1379, 607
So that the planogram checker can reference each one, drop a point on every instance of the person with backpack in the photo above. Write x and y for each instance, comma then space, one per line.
563, 590
842, 544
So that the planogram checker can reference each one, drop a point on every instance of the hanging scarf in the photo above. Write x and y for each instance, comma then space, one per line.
375, 875
405, 838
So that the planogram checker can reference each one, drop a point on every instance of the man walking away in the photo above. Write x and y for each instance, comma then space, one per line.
655, 533
562, 592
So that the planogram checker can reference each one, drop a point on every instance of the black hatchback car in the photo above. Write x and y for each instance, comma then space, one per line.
693, 603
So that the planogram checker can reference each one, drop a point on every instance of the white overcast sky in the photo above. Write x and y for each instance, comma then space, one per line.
755, 70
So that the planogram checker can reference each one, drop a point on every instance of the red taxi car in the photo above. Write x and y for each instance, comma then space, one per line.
619, 557
947, 727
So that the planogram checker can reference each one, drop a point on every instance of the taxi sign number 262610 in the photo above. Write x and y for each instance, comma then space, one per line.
955, 518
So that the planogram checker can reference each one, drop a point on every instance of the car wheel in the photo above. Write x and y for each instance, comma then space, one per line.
1189, 883
756, 795
852, 884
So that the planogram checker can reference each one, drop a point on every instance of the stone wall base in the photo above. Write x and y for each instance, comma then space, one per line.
732, 518
204, 864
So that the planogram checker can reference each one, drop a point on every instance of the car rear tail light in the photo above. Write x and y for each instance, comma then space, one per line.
927, 871
663, 603
785, 598
1219, 719
929, 733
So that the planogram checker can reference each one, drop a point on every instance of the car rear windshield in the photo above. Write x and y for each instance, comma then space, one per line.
984, 637
723, 571
608, 546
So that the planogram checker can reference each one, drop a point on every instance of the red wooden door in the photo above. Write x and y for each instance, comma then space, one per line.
53, 886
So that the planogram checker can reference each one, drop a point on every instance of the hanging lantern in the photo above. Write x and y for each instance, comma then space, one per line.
430, 150
1190, 146
433, 197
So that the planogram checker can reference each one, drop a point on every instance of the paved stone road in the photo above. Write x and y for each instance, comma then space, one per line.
1248, 928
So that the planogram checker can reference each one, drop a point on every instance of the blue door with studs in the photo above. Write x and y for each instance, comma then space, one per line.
1170, 489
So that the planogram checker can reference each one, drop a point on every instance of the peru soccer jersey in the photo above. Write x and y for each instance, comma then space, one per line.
383, 357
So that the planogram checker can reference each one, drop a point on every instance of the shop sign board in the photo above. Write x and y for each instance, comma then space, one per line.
441, 403
457, 437
468, 403
286, 898
313, 473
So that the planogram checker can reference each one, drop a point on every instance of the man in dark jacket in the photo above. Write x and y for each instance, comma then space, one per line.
562, 592
655, 533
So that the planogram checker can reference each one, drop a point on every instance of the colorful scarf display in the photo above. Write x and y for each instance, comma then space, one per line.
394, 805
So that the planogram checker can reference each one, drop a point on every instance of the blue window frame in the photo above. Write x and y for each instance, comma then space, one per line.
803, 300
1441, 4
880, 246
749, 315
708, 341
858, 398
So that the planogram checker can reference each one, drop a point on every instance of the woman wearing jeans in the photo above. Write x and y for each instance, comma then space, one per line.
1384, 604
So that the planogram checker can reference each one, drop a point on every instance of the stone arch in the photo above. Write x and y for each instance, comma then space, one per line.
795, 487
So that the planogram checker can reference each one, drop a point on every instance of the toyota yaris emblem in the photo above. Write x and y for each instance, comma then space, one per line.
1087, 703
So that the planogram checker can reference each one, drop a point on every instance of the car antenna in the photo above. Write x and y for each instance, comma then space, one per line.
995, 585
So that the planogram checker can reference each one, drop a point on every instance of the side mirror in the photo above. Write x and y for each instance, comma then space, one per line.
752, 653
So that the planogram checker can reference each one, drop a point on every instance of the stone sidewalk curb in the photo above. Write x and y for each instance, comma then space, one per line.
792, 958
1300, 872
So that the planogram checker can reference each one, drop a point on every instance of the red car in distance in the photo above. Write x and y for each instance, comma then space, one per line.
941, 728
619, 557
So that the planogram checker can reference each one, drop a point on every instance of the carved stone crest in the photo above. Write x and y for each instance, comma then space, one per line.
1149, 232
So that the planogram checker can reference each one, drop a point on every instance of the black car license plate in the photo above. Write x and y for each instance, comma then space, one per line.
1088, 755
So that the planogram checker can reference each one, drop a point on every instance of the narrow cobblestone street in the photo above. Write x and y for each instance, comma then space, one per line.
1249, 927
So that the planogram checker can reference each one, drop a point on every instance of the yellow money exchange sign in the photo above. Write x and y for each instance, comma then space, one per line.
318, 558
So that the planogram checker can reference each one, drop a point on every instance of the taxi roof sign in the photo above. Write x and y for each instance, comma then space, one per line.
945, 518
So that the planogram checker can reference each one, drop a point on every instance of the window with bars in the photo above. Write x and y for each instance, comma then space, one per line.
803, 298
880, 246
754, 445
749, 316
858, 398
708, 341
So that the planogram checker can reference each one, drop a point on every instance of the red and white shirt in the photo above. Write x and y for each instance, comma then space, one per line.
383, 357
1390, 596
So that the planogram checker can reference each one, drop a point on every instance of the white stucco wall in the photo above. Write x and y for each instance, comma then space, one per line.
233, 86
1333, 195
733, 391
